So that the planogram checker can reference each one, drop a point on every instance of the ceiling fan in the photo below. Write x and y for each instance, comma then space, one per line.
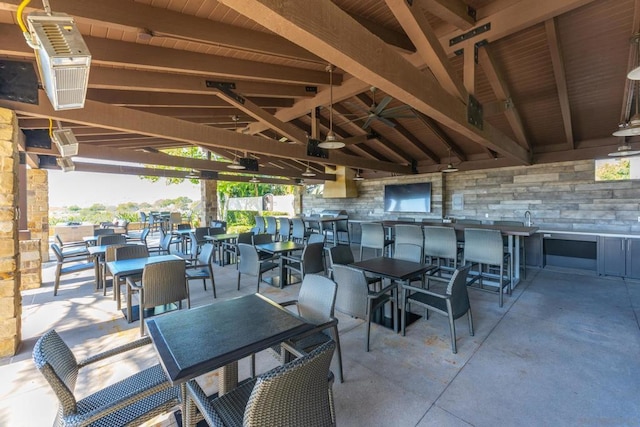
380, 111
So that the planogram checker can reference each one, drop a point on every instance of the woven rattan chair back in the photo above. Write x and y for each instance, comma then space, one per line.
111, 239
131, 251
163, 283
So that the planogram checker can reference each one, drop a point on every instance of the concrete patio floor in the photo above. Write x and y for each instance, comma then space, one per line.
563, 351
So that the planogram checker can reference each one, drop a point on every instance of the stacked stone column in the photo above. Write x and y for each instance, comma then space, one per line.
209, 198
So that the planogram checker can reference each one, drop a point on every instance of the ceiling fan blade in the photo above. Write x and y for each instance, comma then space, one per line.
356, 139
367, 123
385, 101
387, 122
391, 112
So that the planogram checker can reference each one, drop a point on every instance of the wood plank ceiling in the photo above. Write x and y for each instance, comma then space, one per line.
550, 76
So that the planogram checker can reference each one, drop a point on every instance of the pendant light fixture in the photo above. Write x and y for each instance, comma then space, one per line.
450, 168
624, 150
635, 73
254, 180
358, 177
235, 164
331, 142
308, 172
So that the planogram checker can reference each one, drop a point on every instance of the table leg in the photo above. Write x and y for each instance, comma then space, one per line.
184, 408
283, 272
96, 266
228, 379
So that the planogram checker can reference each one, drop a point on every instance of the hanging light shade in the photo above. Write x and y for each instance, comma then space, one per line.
624, 150
358, 177
331, 142
450, 168
629, 129
634, 74
235, 164
254, 180
308, 172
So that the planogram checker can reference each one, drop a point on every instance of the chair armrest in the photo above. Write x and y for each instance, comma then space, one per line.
382, 291
424, 291
196, 395
114, 351
318, 328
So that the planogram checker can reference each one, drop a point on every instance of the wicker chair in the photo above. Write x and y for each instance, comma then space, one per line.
162, 283
201, 268
129, 252
109, 255
111, 239
131, 401
454, 303
296, 394
251, 264
68, 263
315, 304
484, 247
75, 245
354, 297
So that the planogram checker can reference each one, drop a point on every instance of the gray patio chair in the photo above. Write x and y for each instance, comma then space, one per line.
131, 401
260, 224
342, 254
201, 268
129, 252
140, 236
409, 252
68, 264
354, 297
111, 239
103, 231
484, 248
230, 249
373, 237
271, 226
76, 245
315, 304
296, 394
298, 230
441, 248
453, 303
251, 264
162, 283
409, 234
284, 230
109, 255
310, 261
164, 247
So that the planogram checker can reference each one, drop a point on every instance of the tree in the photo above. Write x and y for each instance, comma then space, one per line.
614, 170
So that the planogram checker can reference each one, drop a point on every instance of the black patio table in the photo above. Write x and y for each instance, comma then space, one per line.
193, 342
394, 269
280, 248
219, 240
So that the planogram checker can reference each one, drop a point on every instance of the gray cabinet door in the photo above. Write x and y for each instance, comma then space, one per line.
613, 253
633, 258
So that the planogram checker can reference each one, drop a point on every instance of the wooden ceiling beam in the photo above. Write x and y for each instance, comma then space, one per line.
442, 136
134, 16
557, 61
509, 20
455, 12
154, 58
415, 24
501, 89
127, 98
208, 113
243, 104
351, 47
149, 81
139, 122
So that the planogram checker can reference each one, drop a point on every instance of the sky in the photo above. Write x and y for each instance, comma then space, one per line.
86, 188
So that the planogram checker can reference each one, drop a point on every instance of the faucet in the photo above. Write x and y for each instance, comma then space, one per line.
527, 219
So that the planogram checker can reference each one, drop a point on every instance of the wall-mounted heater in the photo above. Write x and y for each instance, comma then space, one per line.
63, 58
66, 142
66, 164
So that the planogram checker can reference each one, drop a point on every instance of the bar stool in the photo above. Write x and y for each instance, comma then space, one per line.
484, 247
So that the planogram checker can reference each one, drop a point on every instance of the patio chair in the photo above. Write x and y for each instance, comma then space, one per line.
201, 268
284, 230
354, 297
131, 401
315, 304
76, 245
260, 239
68, 263
139, 236
251, 264
103, 231
342, 254
441, 248
144, 220
296, 394
484, 248
310, 261
164, 247
298, 230
453, 303
271, 226
260, 224
128, 252
111, 239
231, 249
373, 237
162, 283
409, 234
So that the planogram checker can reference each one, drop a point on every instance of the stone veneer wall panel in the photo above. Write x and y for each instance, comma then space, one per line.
10, 299
30, 264
209, 197
562, 196
38, 208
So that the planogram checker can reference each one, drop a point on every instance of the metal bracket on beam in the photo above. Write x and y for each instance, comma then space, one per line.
37, 138
472, 33
227, 88
474, 112
47, 162
314, 151
471, 12
477, 46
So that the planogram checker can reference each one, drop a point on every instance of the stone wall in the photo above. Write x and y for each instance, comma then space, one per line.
563, 196
38, 208
30, 264
209, 197
10, 300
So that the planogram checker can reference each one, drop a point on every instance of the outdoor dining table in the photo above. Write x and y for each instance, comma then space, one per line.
394, 269
98, 252
280, 248
193, 342
131, 267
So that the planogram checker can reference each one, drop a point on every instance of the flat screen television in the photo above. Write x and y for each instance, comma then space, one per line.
408, 197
